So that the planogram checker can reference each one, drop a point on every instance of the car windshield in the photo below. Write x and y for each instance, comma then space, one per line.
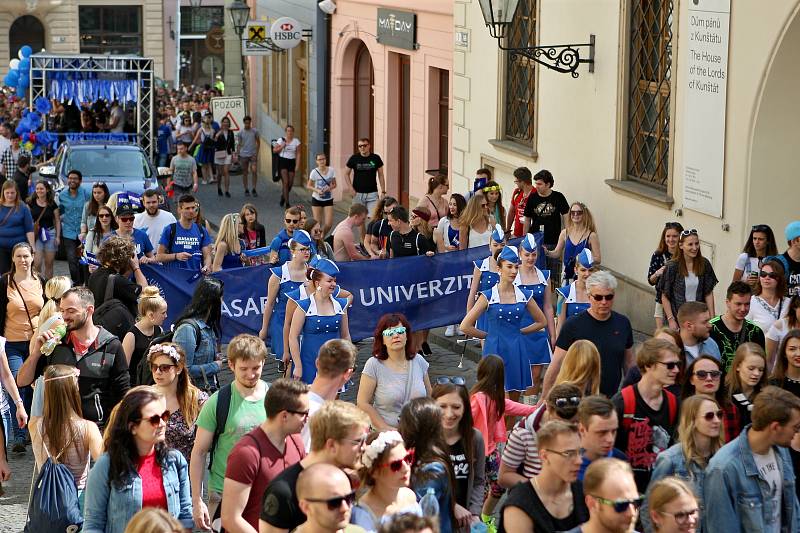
109, 163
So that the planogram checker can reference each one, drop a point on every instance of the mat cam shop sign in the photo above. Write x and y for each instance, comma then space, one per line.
397, 28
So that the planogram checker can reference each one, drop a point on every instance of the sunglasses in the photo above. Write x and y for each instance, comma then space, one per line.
397, 330
687, 232
395, 466
103, 215
155, 420
579, 212
620, 506
705, 374
363, 145
335, 503
682, 517
126, 219
672, 365
709, 416
760, 228
572, 401
770, 275
291, 220
445, 380
673, 225
601, 297
161, 368
98, 184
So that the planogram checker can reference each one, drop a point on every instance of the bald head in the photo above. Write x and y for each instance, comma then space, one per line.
321, 480
325, 496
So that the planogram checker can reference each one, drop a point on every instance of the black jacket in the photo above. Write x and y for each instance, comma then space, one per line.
4, 301
261, 236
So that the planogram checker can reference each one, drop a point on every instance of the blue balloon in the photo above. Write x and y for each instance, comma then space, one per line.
24, 64
23, 79
12, 77
35, 120
26, 51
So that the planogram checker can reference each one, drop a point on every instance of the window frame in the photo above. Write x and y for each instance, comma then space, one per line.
100, 48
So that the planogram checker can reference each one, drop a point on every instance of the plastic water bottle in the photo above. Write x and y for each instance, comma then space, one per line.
429, 503
478, 527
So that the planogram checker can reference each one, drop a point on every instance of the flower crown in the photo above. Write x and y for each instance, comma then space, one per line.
163, 349
376, 447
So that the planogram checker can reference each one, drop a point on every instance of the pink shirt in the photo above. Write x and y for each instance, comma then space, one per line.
489, 423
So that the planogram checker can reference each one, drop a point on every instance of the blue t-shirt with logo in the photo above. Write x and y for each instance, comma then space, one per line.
191, 240
140, 241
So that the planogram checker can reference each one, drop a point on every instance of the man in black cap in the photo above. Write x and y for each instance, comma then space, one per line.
144, 248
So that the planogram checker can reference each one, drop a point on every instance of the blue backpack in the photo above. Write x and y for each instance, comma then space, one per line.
54, 504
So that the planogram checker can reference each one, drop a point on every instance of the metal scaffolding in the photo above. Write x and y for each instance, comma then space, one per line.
119, 67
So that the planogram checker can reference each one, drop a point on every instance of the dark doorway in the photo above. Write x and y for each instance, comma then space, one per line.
404, 115
27, 29
364, 99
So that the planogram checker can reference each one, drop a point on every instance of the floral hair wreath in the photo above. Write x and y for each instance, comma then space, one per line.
376, 447
163, 349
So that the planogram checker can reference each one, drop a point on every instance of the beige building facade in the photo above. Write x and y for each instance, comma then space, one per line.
665, 129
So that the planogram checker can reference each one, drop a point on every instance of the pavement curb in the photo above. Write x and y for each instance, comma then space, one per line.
472, 350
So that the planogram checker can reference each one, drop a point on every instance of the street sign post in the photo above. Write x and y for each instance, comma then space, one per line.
231, 107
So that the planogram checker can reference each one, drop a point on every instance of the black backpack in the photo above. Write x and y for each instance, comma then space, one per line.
112, 314
173, 231
143, 374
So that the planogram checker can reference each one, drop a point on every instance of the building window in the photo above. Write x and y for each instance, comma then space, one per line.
198, 20
649, 92
444, 118
110, 29
520, 88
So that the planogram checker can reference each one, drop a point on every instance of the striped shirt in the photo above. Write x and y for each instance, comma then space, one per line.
522, 447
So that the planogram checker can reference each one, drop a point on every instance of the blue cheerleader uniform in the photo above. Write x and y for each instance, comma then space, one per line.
539, 351
570, 295
488, 280
279, 308
317, 330
504, 339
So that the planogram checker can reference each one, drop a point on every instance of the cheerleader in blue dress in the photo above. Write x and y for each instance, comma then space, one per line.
512, 314
319, 318
484, 275
574, 298
284, 279
537, 282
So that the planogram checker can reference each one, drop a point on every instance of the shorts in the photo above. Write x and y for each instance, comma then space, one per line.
321, 203
246, 160
368, 199
286, 164
222, 159
659, 311
492, 473
50, 245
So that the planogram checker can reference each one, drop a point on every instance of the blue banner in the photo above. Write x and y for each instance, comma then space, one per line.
429, 291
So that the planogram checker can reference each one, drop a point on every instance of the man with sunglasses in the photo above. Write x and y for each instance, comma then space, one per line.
364, 176
750, 482
263, 453
610, 332
325, 496
279, 251
611, 496
732, 329
695, 332
647, 411
144, 248
338, 433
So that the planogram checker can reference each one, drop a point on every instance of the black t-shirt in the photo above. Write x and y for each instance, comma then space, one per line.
381, 229
125, 290
461, 470
547, 211
409, 244
650, 433
612, 337
280, 508
793, 276
525, 498
365, 172
48, 219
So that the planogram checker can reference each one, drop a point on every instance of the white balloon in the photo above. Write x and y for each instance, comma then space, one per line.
14, 64
19, 54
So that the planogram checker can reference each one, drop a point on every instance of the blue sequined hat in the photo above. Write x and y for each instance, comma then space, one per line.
509, 253
528, 243
301, 237
326, 266
498, 235
314, 261
585, 258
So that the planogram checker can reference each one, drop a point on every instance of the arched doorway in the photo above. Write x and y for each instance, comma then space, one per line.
27, 29
363, 95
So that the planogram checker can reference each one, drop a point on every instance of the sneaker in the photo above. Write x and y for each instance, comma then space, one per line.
460, 333
219, 191
227, 194
19, 446
491, 526
255, 194
450, 331
246, 192
204, 182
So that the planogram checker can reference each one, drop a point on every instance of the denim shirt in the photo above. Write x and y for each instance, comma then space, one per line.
738, 499
672, 462
201, 359
108, 509
71, 209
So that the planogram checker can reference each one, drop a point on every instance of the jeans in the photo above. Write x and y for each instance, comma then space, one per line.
71, 248
8, 423
17, 353
368, 199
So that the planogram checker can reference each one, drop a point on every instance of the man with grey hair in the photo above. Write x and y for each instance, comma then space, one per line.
610, 331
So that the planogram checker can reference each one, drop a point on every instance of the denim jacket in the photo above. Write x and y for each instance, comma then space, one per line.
201, 359
440, 482
738, 499
672, 462
108, 509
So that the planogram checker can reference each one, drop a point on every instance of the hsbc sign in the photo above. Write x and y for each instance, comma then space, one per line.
286, 33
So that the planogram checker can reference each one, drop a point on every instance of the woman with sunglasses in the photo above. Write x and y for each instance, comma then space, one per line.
768, 303
673, 507
485, 274
282, 280
704, 376
781, 327
431, 470
700, 435
319, 318
385, 472
168, 365
138, 469
152, 311
100, 195
760, 244
512, 315
227, 247
318, 244
466, 448
688, 277
574, 298
787, 368
185, 131
743, 382
104, 226
667, 248
475, 225
579, 234
394, 375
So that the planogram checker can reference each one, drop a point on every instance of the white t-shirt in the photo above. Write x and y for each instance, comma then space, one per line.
117, 112
444, 228
778, 330
769, 470
321, 181
315, 401
747, 264
153, 226
765, 315
290, 148
691, 287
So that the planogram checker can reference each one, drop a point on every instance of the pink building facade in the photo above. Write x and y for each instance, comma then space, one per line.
391, 81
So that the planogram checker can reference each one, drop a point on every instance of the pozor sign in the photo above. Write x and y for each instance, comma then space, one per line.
286, 33
397, 28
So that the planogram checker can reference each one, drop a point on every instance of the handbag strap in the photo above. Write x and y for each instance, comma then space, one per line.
5, 219
409, 382
25, 305
41, 214
110, 287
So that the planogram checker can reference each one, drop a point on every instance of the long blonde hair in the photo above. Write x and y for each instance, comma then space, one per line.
62, 403
229, 233
581, 367
54, 289
587, 221
473, 212
690, 408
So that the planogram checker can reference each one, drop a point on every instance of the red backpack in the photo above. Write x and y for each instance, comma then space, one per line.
629, 407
